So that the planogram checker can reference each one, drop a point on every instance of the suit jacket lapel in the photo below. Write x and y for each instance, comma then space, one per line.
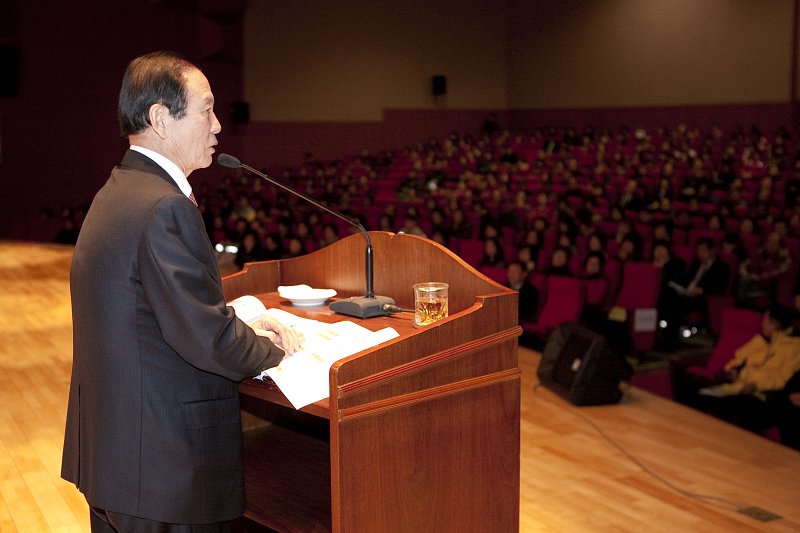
138, 161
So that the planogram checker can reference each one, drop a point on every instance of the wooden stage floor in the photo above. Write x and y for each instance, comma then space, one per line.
646, 464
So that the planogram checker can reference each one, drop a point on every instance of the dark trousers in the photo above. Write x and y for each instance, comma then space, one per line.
788, 416
745, 411
111, 522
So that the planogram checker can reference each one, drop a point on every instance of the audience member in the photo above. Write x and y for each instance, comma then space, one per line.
459, 227
249, 251
706, 276
330, 234
295, 247
527, 258
411, 226
273, 248
597, 287
630, 248
68, 233
596, 243
758, 370
733, 249
672, 273
760, 274
631, 198
662, 231
528, 301
492, 253
559, 263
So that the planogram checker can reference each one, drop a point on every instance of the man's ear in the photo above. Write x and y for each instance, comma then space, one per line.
158, 114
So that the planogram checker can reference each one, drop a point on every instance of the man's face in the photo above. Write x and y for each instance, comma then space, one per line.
514, 273
703, 253
191, 139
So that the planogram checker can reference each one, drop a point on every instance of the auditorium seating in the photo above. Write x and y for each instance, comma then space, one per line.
578, 171
638, 295
563, 302
738, 326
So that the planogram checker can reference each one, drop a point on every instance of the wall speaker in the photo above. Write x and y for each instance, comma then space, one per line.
439, 83
9, 70
578, 365
240, 112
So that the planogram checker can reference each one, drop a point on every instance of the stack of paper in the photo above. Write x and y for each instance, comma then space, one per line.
303, 376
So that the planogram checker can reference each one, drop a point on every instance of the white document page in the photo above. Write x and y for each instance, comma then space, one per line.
303, 376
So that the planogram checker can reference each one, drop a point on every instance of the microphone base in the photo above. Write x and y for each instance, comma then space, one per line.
362, 307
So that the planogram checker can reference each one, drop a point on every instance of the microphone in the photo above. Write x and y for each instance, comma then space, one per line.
367, 306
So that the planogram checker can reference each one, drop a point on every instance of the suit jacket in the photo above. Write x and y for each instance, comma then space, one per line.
527, 301
714, 280
153, 425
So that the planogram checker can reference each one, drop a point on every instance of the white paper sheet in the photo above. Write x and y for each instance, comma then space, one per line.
303, 376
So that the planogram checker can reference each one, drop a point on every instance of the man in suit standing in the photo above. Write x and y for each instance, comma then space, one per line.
153, 436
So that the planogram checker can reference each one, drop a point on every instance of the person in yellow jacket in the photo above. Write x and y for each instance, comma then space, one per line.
758, 369
767, 361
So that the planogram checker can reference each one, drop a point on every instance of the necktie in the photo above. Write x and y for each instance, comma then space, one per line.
192, 198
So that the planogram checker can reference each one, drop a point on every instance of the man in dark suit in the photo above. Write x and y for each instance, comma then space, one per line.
153, 436
707, 275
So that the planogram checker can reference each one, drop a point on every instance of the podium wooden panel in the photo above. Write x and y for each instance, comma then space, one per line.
419, 434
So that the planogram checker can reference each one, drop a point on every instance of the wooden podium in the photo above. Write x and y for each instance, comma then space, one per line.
419, 434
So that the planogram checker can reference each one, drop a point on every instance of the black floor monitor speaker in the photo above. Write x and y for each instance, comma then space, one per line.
578, 365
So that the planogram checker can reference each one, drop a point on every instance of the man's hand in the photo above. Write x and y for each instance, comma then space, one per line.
729, 375
288, 338
694, 292
748, 388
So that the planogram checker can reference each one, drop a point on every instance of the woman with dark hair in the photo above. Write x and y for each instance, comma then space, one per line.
593, 266
492, 253
330, 234
597, 284
527, 257
559, 263
250, 250
596, 243
273, 247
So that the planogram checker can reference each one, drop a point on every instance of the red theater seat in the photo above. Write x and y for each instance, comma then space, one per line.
563, 303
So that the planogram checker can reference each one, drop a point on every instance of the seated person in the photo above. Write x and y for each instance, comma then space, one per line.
672, 271
526, 257
250, 250
761, 367
706, 276
559, 263
492, 253
597, 287
760, 274
528, 294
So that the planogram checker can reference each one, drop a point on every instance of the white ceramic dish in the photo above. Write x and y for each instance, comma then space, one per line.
305, 296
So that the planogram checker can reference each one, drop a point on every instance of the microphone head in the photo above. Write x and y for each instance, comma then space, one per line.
228, 161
